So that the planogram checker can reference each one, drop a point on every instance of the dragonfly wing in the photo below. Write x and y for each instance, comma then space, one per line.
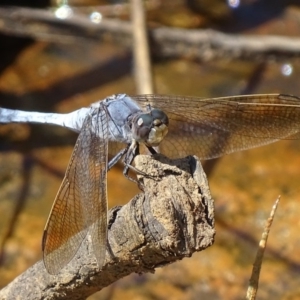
80, 201
212, 127
98, 187
66, 227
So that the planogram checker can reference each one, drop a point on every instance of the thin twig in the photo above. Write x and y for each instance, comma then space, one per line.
254, 280
142, 63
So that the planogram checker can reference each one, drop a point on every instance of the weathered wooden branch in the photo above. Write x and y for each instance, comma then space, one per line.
170, 220
166, 42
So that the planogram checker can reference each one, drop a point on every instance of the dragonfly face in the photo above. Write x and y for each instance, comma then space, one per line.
150, 128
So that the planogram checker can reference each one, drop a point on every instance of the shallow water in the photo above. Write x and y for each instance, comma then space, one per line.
244, 185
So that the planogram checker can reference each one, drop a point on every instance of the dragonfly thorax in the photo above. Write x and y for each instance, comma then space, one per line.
150, 128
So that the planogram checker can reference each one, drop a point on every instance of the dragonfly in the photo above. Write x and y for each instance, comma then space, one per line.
173, 125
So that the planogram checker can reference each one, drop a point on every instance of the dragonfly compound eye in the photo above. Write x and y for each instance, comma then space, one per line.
158, 114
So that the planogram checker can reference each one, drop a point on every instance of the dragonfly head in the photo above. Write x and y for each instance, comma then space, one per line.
151, 127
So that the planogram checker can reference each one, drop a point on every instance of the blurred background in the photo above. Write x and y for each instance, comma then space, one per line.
56, 59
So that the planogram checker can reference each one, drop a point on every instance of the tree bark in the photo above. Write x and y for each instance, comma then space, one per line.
170, 220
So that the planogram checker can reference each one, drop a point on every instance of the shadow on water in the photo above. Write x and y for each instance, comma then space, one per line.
246, 15
108, 71
240, 234
19, 205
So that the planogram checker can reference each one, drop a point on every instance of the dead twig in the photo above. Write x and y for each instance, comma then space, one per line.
142, 64
166, 42
171, 220
254, 280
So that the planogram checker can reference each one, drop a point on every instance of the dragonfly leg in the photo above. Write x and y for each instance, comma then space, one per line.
152, 150
136, 170
117, 157
126, 174
132, 152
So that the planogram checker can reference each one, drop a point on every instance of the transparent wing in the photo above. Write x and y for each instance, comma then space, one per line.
98, 187
212, 127
81, 203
